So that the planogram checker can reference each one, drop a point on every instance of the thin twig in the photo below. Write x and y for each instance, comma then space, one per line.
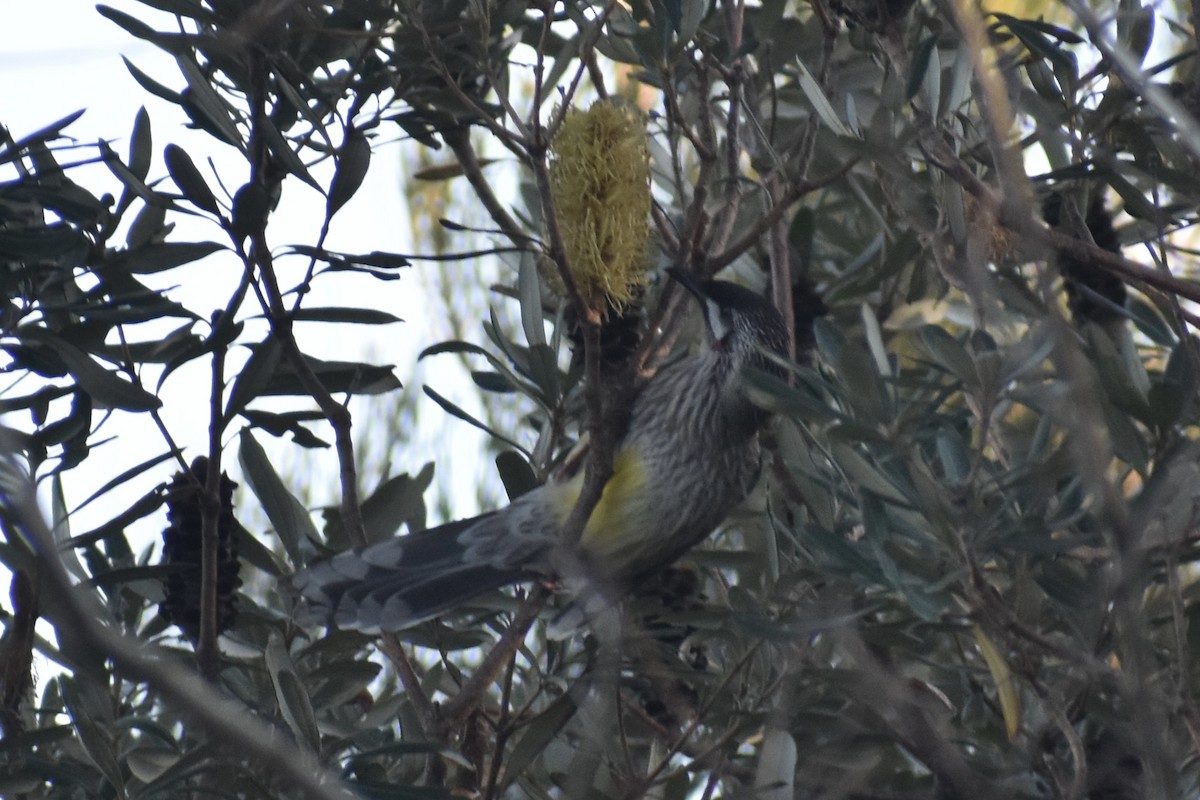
1129, 68
280, 320
794, 193
459, 141
411, 681
458, 709
781, 275
1039, 235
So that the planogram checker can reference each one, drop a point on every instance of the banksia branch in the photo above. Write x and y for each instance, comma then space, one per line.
600, 185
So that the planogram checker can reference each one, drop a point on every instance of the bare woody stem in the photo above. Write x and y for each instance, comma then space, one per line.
261, 261
208, 657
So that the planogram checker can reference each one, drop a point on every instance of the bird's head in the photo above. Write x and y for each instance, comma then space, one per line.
740, 324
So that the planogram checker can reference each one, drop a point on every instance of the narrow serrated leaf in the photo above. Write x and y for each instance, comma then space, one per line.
291, 520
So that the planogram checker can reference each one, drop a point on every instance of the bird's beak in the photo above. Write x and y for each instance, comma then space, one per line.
688, 281
717, 329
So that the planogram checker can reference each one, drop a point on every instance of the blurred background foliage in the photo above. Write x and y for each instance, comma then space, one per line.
969, 570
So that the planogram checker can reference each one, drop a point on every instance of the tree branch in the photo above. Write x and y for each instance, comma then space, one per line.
76, 613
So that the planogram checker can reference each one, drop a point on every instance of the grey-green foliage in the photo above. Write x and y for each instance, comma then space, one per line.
969, 570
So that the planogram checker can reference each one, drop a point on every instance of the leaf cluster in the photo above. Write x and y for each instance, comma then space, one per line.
968, 570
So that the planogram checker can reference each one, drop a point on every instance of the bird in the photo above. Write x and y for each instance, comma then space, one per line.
689, 455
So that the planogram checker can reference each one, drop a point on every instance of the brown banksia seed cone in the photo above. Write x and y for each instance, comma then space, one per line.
1093, 293
183, 548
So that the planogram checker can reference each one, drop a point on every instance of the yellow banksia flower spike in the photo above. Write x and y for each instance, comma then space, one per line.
600, 184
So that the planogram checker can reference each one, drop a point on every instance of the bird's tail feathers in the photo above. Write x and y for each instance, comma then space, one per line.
397, 583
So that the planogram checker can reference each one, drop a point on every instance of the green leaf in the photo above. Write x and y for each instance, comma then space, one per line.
357, 315
1149, 321
142, 508
492, 382
105, 388
543, 369
253, 377
529, 291
950, 353
350, 377
290, 693
820, 103
189, 180
538, 735
353, 161
290, 519
148, 225
516, 474
281, 148
454, 410
397, 501
284, 424
160, 257
130, 24
134, 186
1136, 204
148, 763
1035, 40
78, 419
152, 86
86, 710
49, 243
340, 682
864, 475
1135, 28
953, 453
49, 132
251, 208
202, 102
191, 9
141, 145
503, 369
920, 64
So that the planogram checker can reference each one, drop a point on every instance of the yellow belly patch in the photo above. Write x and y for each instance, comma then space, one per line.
611, 516
619, 503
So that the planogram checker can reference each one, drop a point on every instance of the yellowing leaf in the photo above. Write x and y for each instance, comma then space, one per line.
1006, 688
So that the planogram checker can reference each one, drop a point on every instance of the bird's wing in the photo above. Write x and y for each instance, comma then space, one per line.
401, 581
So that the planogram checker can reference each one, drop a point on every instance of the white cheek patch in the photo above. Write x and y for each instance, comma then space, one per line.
716, 321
